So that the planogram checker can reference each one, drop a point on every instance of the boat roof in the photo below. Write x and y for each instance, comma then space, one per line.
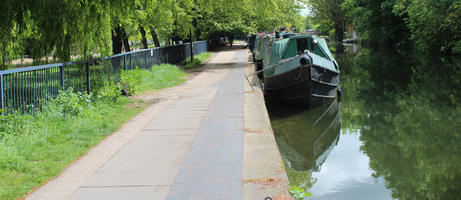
287, 48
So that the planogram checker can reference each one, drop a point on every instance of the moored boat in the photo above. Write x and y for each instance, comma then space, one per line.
302, 71
251, 41
261, 51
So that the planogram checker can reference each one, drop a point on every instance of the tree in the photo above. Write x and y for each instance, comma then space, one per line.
330, 15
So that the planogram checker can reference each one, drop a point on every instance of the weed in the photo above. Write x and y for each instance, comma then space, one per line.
109, 93
299, 193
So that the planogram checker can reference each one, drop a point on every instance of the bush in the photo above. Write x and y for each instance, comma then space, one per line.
130, 80
70, 103
109, 93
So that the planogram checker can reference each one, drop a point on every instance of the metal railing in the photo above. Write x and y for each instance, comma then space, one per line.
26, 89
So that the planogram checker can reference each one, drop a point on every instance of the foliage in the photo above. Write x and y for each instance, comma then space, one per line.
434, 25
131, 80
110, 92
86, 28
429, 26
330, 16
71, 103
299, 193
197, 60
377, 23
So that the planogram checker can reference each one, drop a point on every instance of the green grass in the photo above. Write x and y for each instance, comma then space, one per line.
36, 148
198, 59
162, 76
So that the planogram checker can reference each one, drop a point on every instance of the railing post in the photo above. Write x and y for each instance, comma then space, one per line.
191, 46
88, 83
131, 67
2, 94
61, 69
124, 62
147, 59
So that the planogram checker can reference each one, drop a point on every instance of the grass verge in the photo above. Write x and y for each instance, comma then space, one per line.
162, 76
36, 148
198, 59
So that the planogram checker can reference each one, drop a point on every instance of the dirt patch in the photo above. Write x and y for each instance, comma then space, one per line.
138, 105
271, 182
282, 197
253, 130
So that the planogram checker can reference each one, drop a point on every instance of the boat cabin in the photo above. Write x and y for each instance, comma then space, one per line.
297, 45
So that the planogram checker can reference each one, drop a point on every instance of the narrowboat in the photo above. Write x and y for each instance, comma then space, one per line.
301, 70
251, 41
261, 51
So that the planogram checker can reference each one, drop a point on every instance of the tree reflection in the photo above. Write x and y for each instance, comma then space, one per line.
410, 120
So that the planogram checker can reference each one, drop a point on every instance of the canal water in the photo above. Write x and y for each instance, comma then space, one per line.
396, 134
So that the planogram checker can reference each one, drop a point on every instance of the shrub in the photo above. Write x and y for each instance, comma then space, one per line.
130, 80
70, 103
109, 93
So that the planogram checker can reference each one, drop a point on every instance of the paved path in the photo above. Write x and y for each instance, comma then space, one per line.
189, 145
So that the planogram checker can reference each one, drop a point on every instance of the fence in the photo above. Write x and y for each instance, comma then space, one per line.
27, 89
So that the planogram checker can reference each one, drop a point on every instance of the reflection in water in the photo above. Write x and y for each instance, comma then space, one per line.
409, 124
346, 175
400, 135
306, 137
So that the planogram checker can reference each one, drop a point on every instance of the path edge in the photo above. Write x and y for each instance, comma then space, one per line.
264, 174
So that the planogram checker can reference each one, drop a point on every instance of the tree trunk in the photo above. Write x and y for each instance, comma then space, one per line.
117, 40
63, 51
144, 39
3, 66
168, 40
126, 43
154, 37
339, 32
231, 39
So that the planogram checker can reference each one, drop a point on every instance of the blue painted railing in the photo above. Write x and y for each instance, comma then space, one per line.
26, 89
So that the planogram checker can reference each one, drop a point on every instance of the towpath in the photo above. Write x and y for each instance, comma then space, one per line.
209, 138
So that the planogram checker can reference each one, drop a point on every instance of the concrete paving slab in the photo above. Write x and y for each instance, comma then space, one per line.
132, 178
121, 193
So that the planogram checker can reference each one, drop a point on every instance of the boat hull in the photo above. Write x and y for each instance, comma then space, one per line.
306, 85
259, 67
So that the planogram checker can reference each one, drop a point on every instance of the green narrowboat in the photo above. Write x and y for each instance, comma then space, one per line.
301, 70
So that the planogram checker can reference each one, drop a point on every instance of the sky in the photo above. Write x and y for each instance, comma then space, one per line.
305, 11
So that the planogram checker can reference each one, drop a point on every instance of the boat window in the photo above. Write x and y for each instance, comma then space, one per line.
302, 44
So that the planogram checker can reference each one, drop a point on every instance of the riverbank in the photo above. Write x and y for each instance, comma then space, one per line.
263, 171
